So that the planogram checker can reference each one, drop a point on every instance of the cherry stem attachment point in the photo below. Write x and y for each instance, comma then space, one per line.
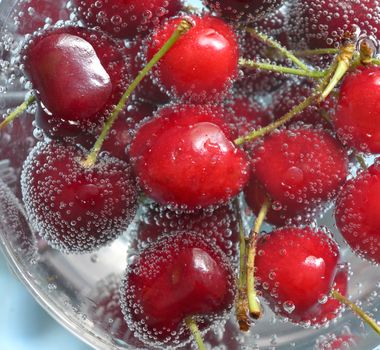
283, 50
182, 29
17, 111
191, 324
253, 303
280, 69
357, 310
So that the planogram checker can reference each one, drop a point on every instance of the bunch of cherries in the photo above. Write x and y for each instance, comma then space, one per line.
209, 127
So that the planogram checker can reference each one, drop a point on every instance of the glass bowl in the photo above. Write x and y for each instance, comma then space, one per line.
80, 291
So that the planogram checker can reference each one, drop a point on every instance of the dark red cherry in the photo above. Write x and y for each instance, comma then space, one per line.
125, 18
218, 224
185, 157
357, 117
323, 23
295, 269
300, 168
245, 115
203, 63
77, 209
357, 213
146, 90
179, 276
78, 74
242, 10
34, 14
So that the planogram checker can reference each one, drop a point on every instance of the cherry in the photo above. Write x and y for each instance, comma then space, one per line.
146, 90
357, 116
77, 73
218, 224
357, 211
125, 18
244, 114
33, 14
185, 157
295, 269
323, 23
203, 63
291, 94
307, 168
77, 209
179, 276
336, 342
242, 10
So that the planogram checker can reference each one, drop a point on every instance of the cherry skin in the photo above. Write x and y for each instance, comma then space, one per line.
357, 117
185, 157
78, 74
242, 10
179, 276
323, 23
357, 211
295, 268
307, 168
77, 209
30, 21
218, 224
203, 63
125, 18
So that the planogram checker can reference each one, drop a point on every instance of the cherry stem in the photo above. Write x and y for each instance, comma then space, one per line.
192, 325
17, 111
317, 52
361, 161
344, 63
280, 69
357, 310
283, 50
242, 310
375, 61
253, 303
182, 29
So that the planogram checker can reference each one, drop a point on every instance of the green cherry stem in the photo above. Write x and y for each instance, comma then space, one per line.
375, 61
17, 111
182, 29
361, 161
317, 52
283, 50
192, 325
357, 310
280, 69
253, 303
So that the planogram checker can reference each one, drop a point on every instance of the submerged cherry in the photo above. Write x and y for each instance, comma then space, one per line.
185, 157
357, 213
125, 18
77, 209
203, 64
306, 168
357, 117
180, 276
295, 269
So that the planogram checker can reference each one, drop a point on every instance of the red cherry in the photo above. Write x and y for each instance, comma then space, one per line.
357, 118
242, 10
125, 18
146, 90
181, 275
323, 23
218, 224
78, 74
357, 213
185, 157
337, 342
33, 14
307, 167
245, 115
203, 63
295, 269
77, 209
